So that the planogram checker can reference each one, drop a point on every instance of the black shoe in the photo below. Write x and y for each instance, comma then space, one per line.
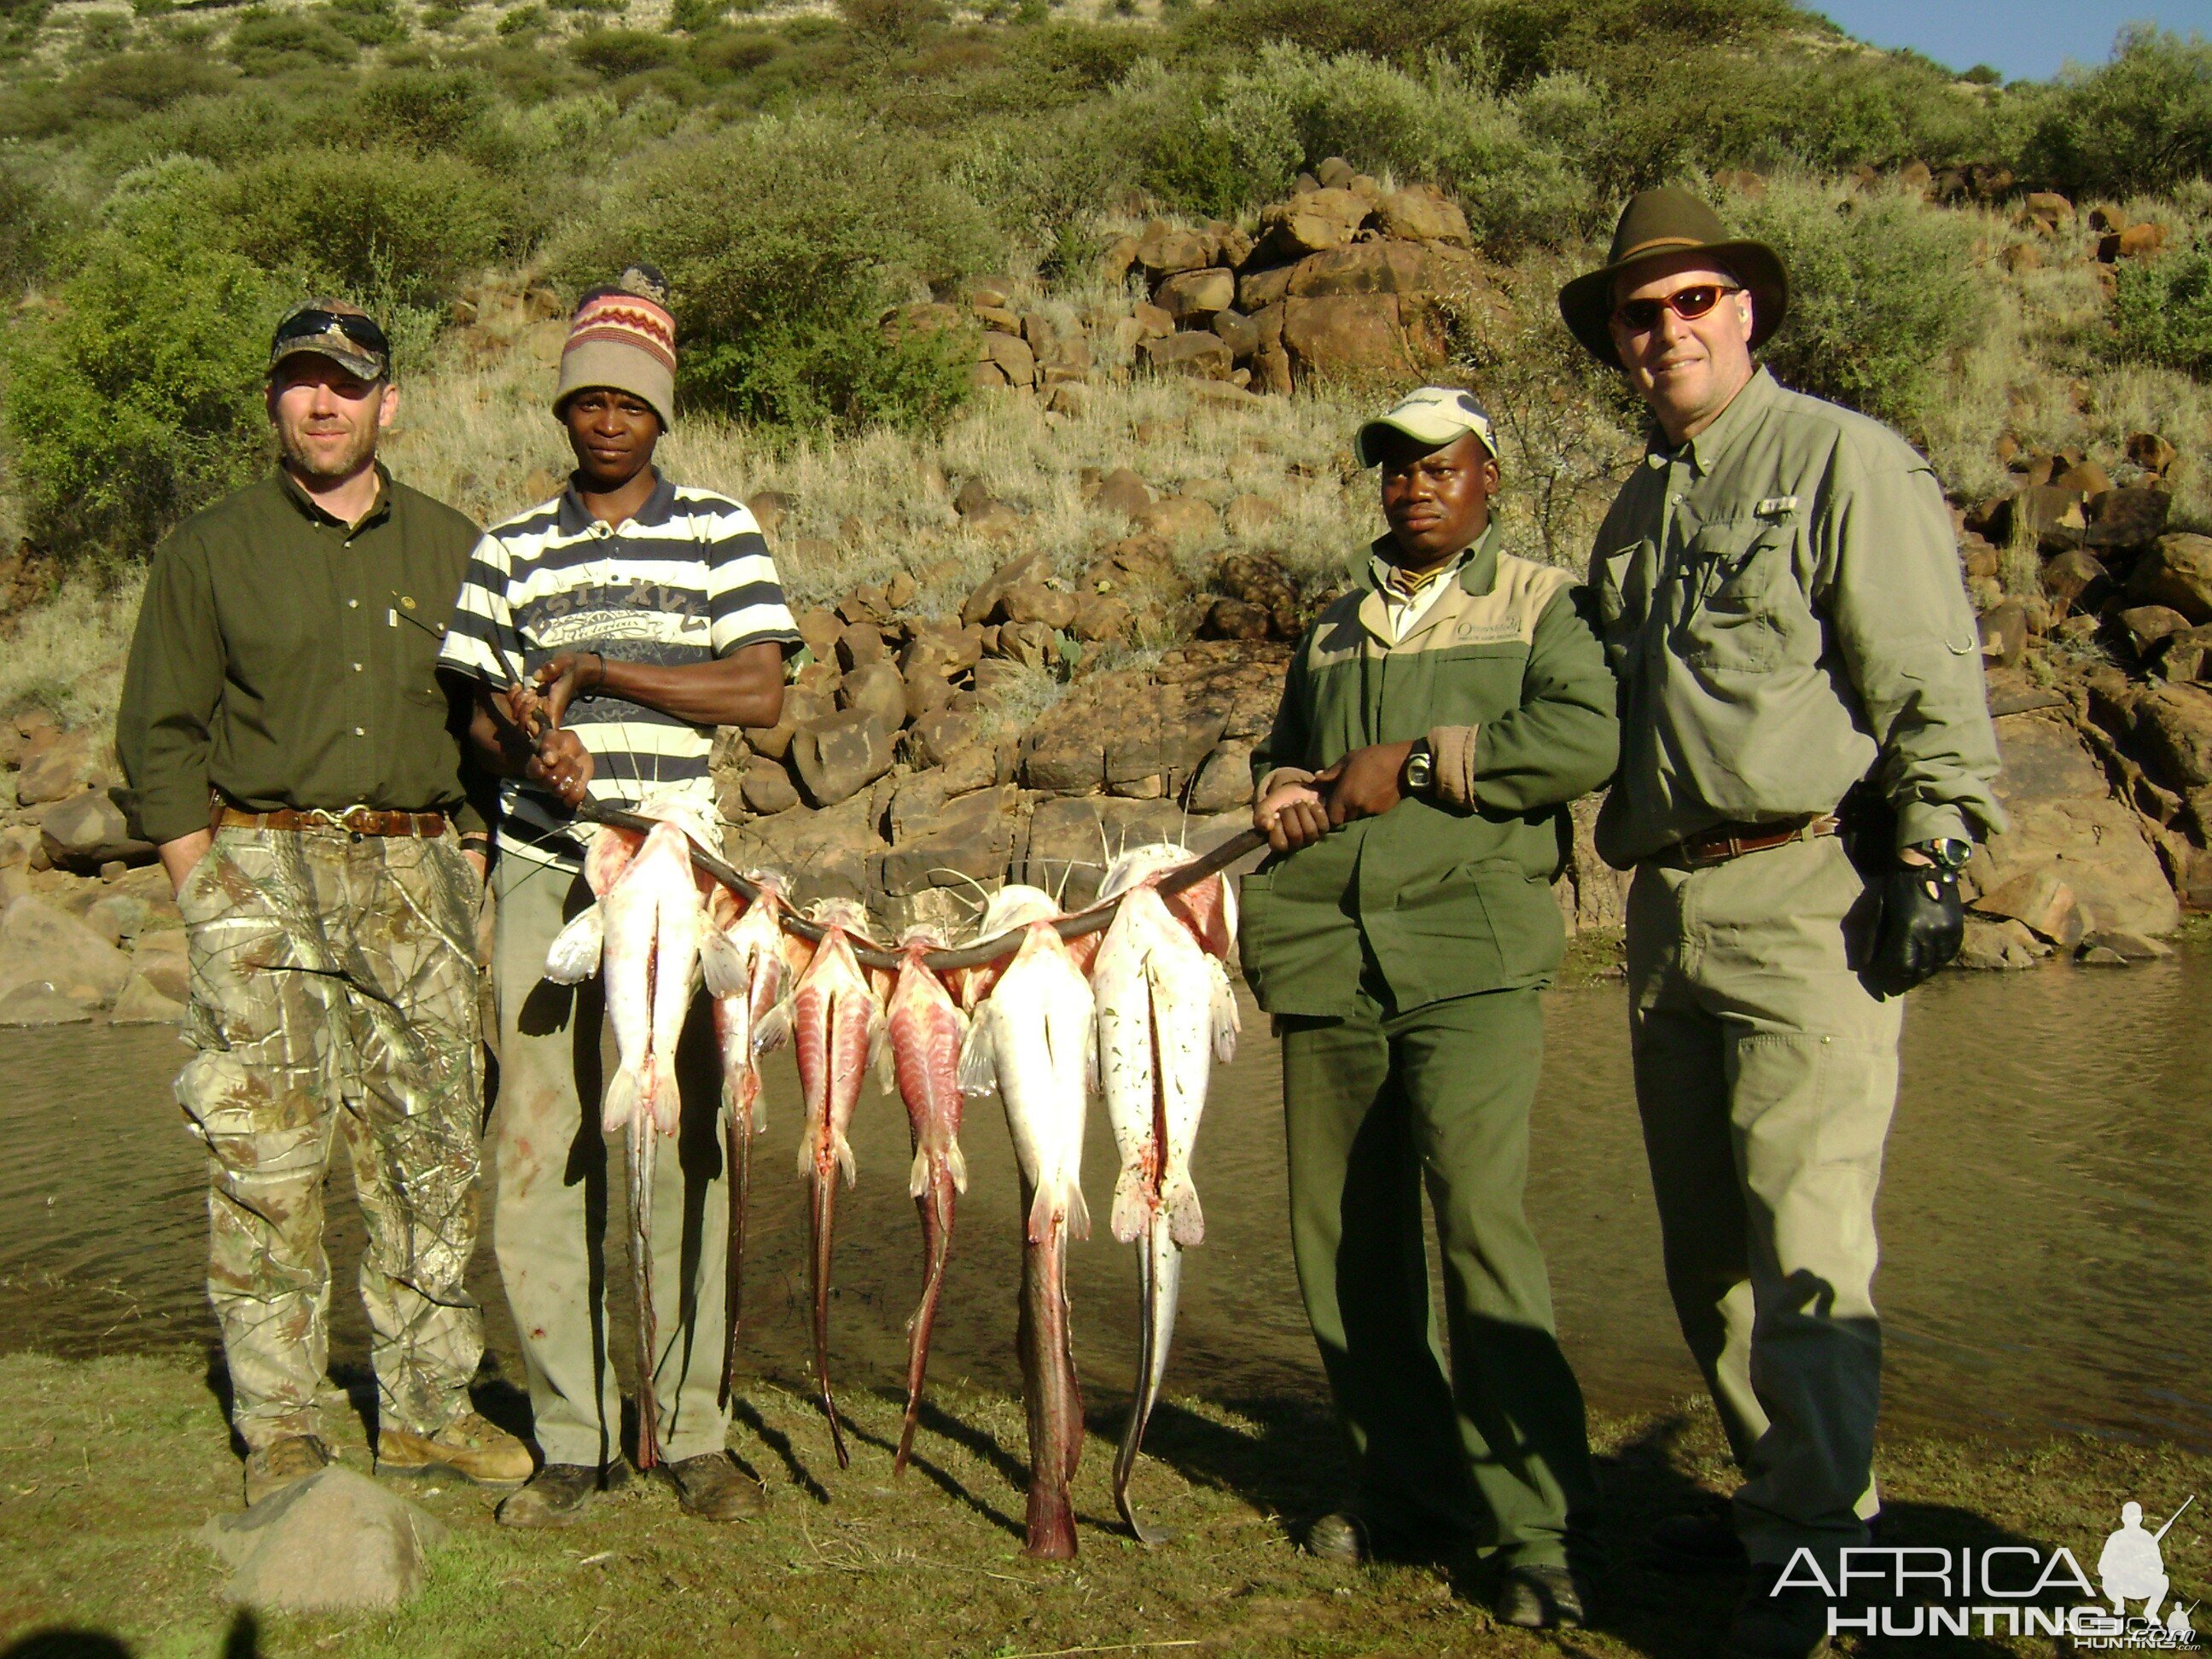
560, 1493
713, 1488
1703, 1542
1538, 1598
1341, 1536
1771, 1623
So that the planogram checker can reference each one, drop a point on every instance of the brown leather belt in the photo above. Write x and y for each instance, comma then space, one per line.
355, 821
1725, 841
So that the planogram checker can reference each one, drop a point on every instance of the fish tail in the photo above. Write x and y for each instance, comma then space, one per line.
1133, 1205
823, 1216
936, 1207
1053, 1403
956, 1164
1159, 1274
667, 1095
622, 1101
642, 1147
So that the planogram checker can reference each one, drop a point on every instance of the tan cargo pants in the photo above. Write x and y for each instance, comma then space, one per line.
334, 989
1765, 1074
550, 1208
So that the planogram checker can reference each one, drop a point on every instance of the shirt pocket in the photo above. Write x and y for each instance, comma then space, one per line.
1623, 595
1748, 604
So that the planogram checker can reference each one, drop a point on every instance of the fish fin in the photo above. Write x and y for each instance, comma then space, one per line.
1078, 1213
917, 1178
979, 1071
772, 1032
845, 1161
1185, 1221
621, 1103
1128, 1222
725, 966
1040, 1227
667, 1095
1226, 1021
879, 1056
956, 1162
574, 957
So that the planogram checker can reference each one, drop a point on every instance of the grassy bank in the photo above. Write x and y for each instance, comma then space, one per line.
109, 1466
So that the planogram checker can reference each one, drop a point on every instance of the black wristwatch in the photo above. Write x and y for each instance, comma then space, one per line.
1949, 855
1420, 771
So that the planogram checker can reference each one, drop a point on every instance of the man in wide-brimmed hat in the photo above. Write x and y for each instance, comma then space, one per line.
1779, 593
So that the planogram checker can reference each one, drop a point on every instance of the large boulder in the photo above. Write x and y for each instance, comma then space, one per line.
1201, 353
837, 757
1422, 213
1163, 250
88, 830
334, 1542
2067, 830
1120, 733
164, 962
1196, 296
66, 765
766, 788
1355, 334
875, 688
1363, 268
40, 1004
1312, 221
826, 853
949, 843
2178, 572
2174, 728
142, 1003
42, 944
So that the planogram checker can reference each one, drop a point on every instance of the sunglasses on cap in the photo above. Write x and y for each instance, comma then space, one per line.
1642, 316
308, 325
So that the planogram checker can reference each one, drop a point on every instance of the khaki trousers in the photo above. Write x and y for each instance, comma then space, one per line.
553, 1169
1765, 1074
334, 993
1490, 1448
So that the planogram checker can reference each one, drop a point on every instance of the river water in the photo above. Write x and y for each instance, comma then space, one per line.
2044, 1219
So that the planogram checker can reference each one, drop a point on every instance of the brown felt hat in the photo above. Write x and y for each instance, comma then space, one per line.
1659, 222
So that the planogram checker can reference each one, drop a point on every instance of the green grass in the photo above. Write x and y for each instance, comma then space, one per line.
108, 1467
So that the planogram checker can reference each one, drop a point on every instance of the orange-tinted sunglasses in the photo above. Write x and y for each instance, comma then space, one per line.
1642, 316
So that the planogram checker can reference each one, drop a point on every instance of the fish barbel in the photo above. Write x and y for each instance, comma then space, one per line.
643, 937
1165, 1011
1031, 1040
746, 971
836, 1015
926, 1030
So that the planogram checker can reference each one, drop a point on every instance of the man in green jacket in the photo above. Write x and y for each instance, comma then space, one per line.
291, 752
1434, 725
1780, 596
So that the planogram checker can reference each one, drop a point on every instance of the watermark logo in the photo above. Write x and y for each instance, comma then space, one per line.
2006, 1589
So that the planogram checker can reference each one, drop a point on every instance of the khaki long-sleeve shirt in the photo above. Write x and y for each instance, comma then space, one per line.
1781, 601
285, 660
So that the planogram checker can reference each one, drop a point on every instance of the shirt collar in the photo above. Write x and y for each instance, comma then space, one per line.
1474, 567
1704, 451
577, 519
315, 513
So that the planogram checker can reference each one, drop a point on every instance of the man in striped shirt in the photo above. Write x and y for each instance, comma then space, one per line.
636, 616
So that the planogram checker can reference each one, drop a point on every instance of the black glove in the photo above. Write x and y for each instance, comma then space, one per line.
1923, 922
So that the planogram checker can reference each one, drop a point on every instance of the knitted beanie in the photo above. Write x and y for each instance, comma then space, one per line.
622, 337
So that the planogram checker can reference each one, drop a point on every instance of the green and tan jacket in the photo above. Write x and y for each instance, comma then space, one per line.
1451, 894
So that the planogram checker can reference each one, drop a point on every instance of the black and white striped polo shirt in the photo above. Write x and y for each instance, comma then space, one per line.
687, 580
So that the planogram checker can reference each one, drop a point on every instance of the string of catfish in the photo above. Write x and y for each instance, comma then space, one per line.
1039, 1011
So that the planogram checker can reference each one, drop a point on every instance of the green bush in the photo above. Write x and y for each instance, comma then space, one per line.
366, 22
137, 398
523, 20
784, 241
427, 111
267, 43
695, 16
2162, 311
2141, 124
34, 222
137, 82
1881, 291
364, 220
612, 54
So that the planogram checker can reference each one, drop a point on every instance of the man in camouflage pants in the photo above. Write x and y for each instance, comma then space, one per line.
289, 748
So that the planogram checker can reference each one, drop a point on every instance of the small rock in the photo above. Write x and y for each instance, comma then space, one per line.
1122, 491
2097, 956
1195, 296
767, 789
2128, 947
875, 688
2074, 579
1202, 355
1238, 331
65, 767
1422, 213
2041, 901
22, 847
1180, 519
1069, 398
2127, 518
2147, 625
2004, 634
1152, 322
2150, 452
1998, 945
943, 733
838, 757
1224, 781
1032, 601
2178, 572
1100, 616
1164, 251
140, 1004
333, 1542
818, 629
983, 602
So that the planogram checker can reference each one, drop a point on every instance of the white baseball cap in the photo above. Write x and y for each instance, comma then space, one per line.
1434, 414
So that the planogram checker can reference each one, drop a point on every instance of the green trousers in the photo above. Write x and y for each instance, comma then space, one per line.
550, 1200
1492, 1448
1765, 1074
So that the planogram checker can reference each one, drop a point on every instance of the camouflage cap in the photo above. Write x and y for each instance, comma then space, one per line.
344, 333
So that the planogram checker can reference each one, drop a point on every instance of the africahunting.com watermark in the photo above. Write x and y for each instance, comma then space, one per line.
2006, 1589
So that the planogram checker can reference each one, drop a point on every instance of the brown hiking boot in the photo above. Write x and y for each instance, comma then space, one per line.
713, 1488
468, 1446
276, 1465
559, 1493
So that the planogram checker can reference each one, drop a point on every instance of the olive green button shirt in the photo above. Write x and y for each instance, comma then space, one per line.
1780, 598
287, 659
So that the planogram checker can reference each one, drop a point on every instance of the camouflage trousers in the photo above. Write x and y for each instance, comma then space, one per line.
334, 990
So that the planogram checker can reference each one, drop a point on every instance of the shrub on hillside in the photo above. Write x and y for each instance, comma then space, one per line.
366, 22
33, 222
2141, 124
137, 81
272, 42
365, 219
1881, 291
136, 398
2162, 311
784, 241
426, 110
612, 54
